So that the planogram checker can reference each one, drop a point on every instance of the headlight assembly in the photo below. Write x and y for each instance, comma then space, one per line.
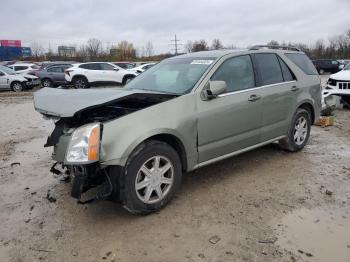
84, 146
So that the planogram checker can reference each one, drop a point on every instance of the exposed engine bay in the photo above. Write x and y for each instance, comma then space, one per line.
88, 176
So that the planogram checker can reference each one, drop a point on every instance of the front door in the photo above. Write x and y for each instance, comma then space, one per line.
231, 121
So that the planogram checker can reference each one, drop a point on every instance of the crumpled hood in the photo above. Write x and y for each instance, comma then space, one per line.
28, 76
66, 102
342, 75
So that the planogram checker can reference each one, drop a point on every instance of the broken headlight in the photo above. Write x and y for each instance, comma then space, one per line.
84, 146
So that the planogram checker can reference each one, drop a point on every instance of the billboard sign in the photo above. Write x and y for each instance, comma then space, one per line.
10, 43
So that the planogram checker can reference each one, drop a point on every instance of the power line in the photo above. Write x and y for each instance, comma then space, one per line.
175, 44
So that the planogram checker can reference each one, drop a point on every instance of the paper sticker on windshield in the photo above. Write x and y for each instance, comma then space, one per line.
201, 62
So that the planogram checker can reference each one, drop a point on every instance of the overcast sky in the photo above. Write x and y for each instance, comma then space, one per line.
235, 22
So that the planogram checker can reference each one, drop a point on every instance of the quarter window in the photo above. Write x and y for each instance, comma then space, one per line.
287, 73
237, 72
303, 62
270, 70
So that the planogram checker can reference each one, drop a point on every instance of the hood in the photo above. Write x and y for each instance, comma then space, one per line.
66, 102
28, 76
342, 75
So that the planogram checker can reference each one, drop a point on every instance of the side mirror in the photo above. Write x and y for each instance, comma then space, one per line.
213, 89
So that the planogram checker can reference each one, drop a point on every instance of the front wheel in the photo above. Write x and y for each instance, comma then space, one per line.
17, 86
299, 131
151, 177
46, 82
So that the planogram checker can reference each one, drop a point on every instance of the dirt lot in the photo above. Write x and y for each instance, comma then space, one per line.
265, 205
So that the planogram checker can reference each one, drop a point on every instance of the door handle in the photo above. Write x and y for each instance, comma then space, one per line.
254, 98
294, 88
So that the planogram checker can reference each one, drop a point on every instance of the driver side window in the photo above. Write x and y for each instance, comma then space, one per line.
237, 72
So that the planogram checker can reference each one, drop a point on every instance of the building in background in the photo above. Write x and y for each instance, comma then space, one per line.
66, 51
10, 50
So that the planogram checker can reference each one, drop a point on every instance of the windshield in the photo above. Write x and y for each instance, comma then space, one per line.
176, 76
347, 67
7, 70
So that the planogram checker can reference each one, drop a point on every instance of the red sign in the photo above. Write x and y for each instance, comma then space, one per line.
12, 43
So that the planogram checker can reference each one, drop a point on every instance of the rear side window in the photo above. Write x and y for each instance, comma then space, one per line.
286, 72
93, 66
270, 70
55, 69
303, 62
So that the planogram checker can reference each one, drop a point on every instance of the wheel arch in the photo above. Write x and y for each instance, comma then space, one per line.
127, 75
79, 75
307, 105
175, 143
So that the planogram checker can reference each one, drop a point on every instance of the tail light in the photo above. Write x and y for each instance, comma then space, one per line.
67, 72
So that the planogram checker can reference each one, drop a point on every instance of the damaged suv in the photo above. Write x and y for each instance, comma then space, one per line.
134, 143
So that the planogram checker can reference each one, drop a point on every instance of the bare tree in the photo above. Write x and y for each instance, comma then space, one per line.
217, 44
125, 51
37, 50
93, 48
200, 45
189, 47
273, 43
149, 49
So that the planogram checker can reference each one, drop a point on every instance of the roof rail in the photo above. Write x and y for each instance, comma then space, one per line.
292, 48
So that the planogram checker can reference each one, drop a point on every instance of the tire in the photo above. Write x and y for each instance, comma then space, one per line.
299, 132
127, 79
155, 189
46, 82
17, 86
80, 83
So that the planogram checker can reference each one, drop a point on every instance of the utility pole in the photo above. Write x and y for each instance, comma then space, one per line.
175, 44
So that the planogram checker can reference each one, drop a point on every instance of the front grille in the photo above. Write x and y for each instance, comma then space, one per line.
344, 85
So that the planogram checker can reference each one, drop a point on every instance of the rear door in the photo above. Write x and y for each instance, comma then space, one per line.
231, 121
279, 94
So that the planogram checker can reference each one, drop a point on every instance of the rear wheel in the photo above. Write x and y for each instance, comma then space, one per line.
151, 177
299, 131
17, 86
46, 82
80, 82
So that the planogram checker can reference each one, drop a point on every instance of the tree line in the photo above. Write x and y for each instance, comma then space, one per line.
336, 47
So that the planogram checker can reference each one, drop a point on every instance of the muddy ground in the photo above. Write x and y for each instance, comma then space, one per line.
264, 205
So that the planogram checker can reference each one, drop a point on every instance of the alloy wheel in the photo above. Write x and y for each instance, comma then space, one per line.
154, 179
300, 130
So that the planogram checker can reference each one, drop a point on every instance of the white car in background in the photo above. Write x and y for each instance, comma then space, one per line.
10, 80
339, 84
24, 68
142, 68
340, 80
85, 75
